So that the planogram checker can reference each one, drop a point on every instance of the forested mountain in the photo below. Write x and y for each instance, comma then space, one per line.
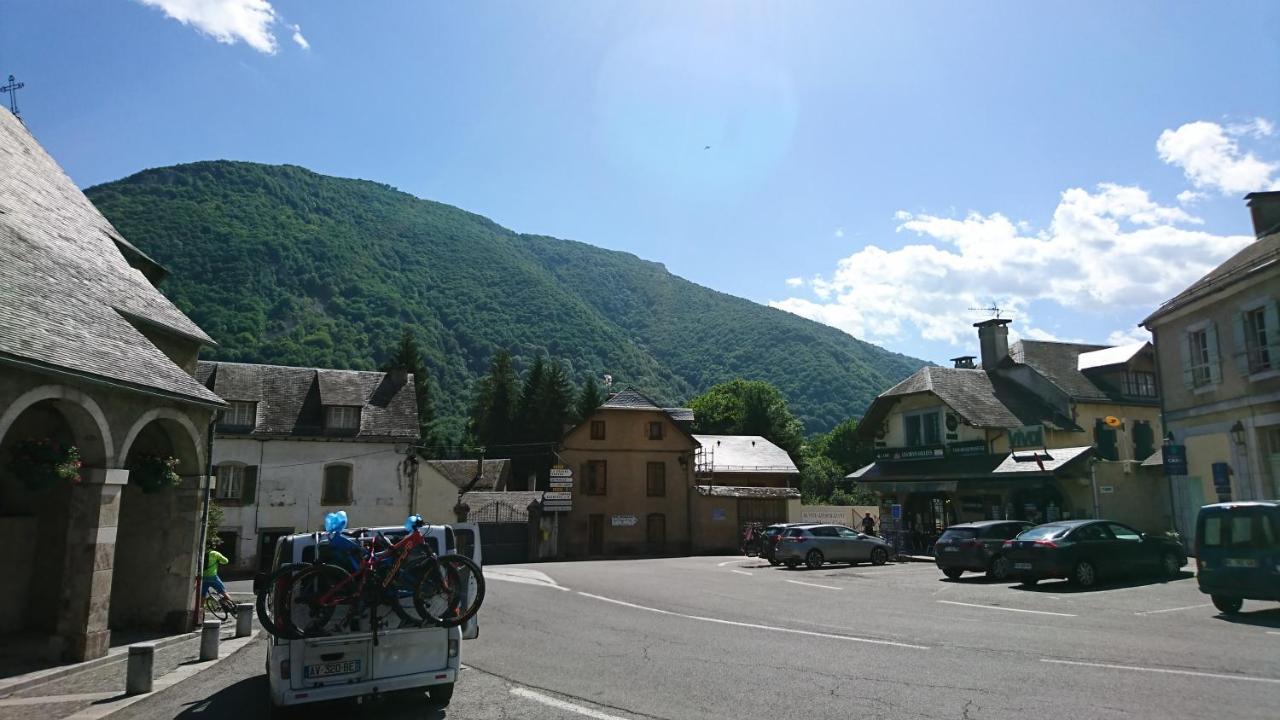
282, 265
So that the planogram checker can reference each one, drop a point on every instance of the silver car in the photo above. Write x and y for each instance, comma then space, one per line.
817, 544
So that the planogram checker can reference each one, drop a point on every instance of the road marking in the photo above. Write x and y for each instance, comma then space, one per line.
740, 572
754, 626
1165, 671
523, 576
562, 704
1273, 632
51, 699
1009, 609
1185, 607
731, 562
801, 582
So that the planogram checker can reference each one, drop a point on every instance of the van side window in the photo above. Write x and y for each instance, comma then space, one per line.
1212, 535
1251, 530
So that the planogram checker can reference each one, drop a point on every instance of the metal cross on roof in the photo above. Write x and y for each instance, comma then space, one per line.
12, 88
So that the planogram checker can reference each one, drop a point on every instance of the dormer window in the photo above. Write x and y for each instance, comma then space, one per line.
342, 417
240, 414
1139, 384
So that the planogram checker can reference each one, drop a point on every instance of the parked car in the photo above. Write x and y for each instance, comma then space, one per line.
1085, 551
817, 544
1238, 553
769, 540
977, 547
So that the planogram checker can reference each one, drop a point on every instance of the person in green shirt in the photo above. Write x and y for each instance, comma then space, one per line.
211, 579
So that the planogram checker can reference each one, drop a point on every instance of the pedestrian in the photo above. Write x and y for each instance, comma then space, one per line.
211, 579
869, 524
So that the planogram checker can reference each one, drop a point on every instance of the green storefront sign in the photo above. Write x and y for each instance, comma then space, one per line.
1027, 436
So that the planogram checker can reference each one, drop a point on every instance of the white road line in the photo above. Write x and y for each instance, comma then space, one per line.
1165, 671
740, 572
523, 576
51, 699
801, 582
731, 562
1009, 609
1185, 607
562, 704
1273, 632
754, 626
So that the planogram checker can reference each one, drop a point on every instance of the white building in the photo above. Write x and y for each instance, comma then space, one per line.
297, 443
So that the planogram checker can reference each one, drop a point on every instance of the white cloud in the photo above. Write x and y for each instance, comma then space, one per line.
839, 232
795, 282
1210, 156
1189, 197
1128, 336
230, 21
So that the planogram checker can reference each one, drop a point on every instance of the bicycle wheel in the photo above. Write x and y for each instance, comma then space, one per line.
323, 600
438, 591
229, 605
273, 601
213, 606
466, 596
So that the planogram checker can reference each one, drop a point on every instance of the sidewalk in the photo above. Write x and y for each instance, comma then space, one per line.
96, 689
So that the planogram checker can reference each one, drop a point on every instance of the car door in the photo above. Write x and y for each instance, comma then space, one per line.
826, 539
1094, 543
1131, 554
854, 548
467, 539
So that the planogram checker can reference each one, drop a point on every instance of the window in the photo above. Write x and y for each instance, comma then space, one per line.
342, 417
597, 429
1138, 383
1198, 345
1104, 439
824, 531
1255, 340
1144, 440
1091, 533
337, 485
228, 543
230, 482
656, 530
595, 477
655, 431
847, 533
240, 414
1124, 533
656, 479
923, 428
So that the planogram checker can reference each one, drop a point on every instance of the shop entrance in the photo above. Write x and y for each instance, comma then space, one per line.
925, 516
1038, 504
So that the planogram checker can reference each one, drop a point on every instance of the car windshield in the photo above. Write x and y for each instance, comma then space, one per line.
1044, 532
958, 534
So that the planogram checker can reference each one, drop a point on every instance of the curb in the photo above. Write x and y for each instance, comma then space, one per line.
115, 655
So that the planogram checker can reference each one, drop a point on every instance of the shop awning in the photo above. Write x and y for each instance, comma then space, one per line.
1041, 462
946, 469
942, 475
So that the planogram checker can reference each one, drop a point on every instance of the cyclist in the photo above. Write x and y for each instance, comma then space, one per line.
211, 579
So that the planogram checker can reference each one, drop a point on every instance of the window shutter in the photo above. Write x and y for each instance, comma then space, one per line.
1242, 345
249, 486
1272, 314
1187, 380
1215, 356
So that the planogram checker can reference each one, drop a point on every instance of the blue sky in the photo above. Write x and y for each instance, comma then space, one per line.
882, 167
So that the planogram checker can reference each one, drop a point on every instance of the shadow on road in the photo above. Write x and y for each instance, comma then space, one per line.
974, 579
1066, 586
247, 700
1262, 618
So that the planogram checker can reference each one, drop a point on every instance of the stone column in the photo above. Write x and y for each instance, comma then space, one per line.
92, 514
186, 564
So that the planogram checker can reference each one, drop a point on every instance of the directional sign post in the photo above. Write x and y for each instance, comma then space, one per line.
560, 497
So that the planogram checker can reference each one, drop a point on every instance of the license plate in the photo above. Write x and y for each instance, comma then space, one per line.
951, 549
1022, 566
342, 667
1242, 562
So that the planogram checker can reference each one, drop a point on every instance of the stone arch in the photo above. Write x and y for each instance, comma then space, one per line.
180, 429
88, 422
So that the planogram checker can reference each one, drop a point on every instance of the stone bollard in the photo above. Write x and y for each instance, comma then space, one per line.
244, 619
210, 635
140, 671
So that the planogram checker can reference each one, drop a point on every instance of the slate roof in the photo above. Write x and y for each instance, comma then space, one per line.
1059, 363
743, 454
1255, 257
494, 477
630, 399
680, 415
480, 504
759, 493
983, 400
342, 387
290, 404
67, 293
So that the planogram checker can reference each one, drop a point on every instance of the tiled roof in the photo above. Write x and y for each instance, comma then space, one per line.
289, 402
1059, 363
632, 399
342, 387
1260, 254
743, 454
761, 493
67, 294
680, 415
462, 472
983, 401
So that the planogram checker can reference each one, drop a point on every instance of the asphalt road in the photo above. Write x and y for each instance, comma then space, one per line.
730, 637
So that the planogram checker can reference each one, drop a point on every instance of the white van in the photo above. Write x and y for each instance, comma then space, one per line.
350, 665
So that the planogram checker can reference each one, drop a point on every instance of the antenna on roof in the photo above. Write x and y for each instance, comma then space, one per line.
12, 88
995, 311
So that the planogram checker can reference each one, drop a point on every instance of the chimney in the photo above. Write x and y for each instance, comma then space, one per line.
1265, 208
964, 362
993, 339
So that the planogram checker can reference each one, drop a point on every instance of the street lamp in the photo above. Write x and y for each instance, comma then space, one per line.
1237, 433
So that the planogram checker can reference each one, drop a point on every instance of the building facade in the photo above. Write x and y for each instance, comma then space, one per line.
1038, 431
442, 482
297, 443
1218, 347
95, 360
740, 480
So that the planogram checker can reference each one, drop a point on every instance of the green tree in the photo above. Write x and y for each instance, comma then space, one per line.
590, 398
748, 407
843, 445
407, 357
555, 400
529, 410
493, 410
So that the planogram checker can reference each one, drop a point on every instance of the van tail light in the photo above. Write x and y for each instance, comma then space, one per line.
284, 669
453, 648
1046, 544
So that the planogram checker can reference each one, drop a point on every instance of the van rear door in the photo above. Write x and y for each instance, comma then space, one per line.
1239, 550
331, 661
467, 537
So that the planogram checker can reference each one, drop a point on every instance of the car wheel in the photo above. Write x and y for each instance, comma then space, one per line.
1084, 574
879, 556
774, 561
791, 564
999, 570
952, 573
1171, 566
813, 559
1227, 605
1029, 581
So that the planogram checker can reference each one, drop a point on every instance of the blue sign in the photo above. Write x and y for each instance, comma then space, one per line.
895, 511
1174, 458
1222, 481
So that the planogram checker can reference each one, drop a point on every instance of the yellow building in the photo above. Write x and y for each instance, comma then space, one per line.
1218, 347
1083, 418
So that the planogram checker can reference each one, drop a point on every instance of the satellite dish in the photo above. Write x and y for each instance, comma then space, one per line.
1112, 421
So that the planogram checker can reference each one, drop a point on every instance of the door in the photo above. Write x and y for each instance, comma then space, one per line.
827, 540
853, 549
1133, 555
595, 535
656, 533
1095, 544
468, 541
267, 546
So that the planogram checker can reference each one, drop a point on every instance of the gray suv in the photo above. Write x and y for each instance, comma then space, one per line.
817, 544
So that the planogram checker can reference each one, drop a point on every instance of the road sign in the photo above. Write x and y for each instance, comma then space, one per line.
557, 496
561, 472
896, 511
557, 507
1174, 458
624, 520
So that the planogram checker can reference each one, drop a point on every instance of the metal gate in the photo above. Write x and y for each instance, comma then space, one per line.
765, 512
504, 532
